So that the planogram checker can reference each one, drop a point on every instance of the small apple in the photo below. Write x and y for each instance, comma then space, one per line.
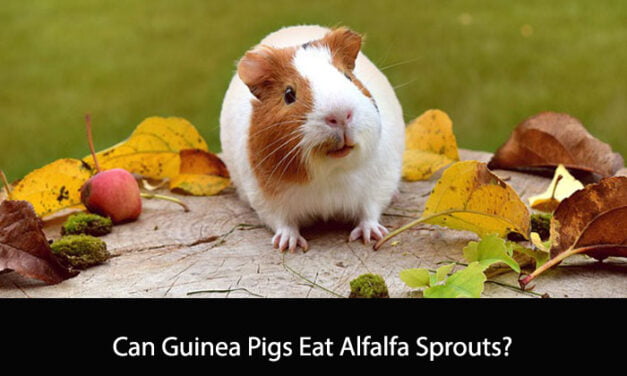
113, 193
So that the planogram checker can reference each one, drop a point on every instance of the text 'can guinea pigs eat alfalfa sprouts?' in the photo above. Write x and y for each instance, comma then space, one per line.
311, 131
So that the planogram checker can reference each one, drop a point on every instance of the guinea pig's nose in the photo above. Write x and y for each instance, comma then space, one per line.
339, 118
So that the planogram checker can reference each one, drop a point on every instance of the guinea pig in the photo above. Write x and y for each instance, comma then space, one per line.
311, 131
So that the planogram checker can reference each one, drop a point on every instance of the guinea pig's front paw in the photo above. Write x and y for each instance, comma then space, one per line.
368, 230
289, 238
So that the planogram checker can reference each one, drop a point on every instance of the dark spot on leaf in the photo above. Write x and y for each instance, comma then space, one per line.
64, 194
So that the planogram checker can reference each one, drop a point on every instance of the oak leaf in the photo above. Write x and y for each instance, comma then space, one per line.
429, 145
152, 150
23, 245
201, 173
548, 139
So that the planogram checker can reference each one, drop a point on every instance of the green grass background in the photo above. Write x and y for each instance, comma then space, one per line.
489, 64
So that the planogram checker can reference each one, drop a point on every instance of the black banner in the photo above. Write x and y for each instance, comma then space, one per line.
303, 333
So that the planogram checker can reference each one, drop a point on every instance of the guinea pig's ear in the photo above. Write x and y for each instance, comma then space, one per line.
255, 68
344, 45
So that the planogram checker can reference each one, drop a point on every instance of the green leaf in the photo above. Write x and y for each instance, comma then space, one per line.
466, 283
442, 273
539, 255
490, 250
415, 277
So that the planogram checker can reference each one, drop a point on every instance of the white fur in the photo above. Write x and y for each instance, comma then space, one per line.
355, 188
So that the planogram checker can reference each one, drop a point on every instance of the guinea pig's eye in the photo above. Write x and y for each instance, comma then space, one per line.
348, 76
289, 95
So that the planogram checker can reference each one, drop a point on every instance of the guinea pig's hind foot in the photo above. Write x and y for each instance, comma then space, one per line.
368, 230
288, 238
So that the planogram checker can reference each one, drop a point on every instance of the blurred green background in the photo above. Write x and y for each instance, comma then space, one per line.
489, 64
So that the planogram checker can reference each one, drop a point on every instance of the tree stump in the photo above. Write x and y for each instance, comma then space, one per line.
222, 248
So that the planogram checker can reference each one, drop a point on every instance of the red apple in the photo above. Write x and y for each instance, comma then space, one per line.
113, 193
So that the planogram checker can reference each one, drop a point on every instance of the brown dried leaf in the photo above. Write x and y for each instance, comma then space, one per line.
23, 245
202, 173
593, 221
594, 218
548, 139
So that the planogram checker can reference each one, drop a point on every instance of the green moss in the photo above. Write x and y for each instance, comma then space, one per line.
80, 251
541, 223
369, 286
86, 223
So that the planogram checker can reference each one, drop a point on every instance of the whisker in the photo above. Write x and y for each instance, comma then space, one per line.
274, 143
405, 84
290, 139
283, 160
275, 125
401, 63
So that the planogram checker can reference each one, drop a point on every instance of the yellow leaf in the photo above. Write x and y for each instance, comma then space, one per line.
201, 174
53, 187
153, 148
199, 185
562, 186
470, 197
429, 145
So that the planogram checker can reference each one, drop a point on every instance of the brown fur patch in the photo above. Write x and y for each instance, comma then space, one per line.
274, 132
344, 45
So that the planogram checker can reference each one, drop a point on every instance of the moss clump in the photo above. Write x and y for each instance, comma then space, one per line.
86, 223
369, 286
541, 223
80, 251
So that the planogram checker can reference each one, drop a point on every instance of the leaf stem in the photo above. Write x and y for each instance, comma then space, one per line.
164, 197
429, 217
556, 260
5, 182
90, 141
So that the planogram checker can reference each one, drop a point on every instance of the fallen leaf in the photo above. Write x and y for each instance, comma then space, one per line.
153, 148
549, 139
201, 174
491, 249
593, 218
429, 145
593, 221
53, 187
23, 245
466, 283
441, 274
562, 186
415, 277
470, 197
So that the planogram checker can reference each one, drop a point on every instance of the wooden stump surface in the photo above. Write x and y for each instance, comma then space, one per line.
222, 247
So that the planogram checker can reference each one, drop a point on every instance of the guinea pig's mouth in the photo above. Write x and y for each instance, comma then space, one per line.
340, 144
341, 152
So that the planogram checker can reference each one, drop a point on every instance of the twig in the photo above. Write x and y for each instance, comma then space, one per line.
90, 141
310, 282
167, 198
224, 291
515, 288
5, 182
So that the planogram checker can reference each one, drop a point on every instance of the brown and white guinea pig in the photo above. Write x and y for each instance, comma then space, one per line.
312, 130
